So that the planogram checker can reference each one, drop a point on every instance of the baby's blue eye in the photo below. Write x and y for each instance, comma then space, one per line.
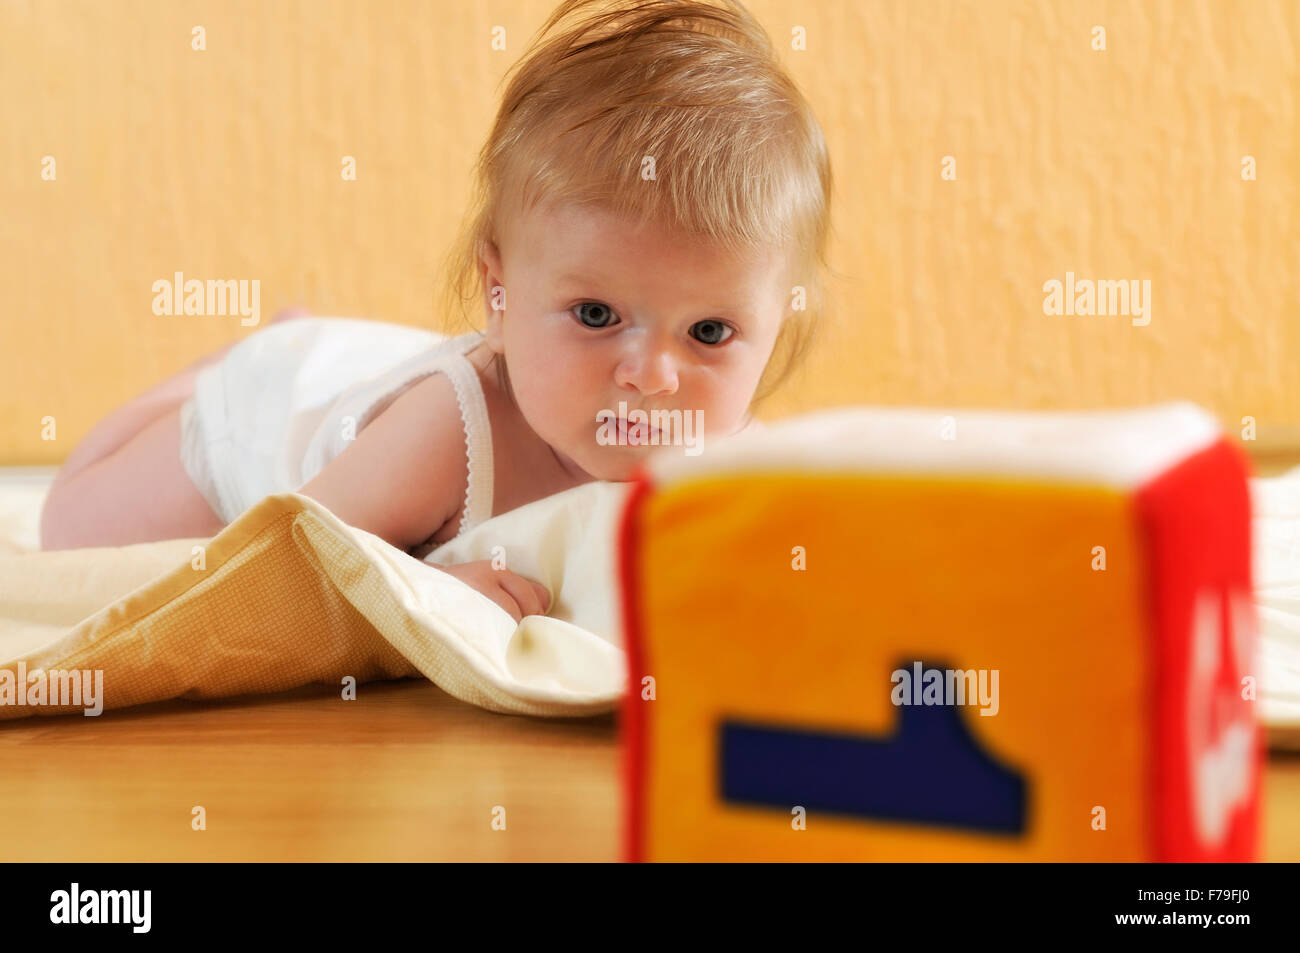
593, 314
710, 332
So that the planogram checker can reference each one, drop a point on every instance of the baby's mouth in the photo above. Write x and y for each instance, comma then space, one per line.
637, 435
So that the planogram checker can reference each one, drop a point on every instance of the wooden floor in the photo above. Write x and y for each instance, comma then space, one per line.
405, 772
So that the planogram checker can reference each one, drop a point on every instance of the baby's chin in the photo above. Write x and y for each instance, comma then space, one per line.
619, 464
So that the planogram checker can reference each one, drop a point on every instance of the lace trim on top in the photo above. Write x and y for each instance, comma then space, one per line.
478, 440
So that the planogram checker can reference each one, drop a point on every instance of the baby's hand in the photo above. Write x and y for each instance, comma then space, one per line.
516, 594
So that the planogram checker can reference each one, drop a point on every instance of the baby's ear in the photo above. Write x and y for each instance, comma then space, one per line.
494, 294
489, 259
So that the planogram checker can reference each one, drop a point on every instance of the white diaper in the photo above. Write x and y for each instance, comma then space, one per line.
270, 414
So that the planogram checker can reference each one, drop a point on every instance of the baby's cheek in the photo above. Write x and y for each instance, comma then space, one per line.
568, 404
721, 412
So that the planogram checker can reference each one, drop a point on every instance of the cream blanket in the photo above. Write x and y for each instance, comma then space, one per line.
288, 594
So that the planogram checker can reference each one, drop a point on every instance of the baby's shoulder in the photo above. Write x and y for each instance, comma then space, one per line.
415, 449
424, 415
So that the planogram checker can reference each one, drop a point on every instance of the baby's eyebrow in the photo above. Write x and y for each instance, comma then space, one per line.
576, 278
733, 313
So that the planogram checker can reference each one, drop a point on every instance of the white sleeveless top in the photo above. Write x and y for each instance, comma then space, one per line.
289, 398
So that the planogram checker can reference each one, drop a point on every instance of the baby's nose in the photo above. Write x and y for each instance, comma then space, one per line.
652, 374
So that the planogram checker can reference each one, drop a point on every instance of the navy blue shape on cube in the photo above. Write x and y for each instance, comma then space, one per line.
932, 771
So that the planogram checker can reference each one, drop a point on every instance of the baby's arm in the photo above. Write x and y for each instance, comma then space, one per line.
401, 477
404, 477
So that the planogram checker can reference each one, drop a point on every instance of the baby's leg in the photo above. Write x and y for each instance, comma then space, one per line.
119, 427
138, 442
132, 417
138, 493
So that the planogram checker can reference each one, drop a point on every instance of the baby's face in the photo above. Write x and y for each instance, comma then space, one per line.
602, 318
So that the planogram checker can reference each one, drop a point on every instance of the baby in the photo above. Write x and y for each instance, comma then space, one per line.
648, 234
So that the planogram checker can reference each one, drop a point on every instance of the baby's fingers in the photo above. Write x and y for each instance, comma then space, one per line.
506, 601
531, 597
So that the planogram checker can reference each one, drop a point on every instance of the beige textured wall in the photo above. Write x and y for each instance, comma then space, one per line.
1122, 164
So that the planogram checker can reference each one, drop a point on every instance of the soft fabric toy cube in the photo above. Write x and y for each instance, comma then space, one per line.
909, 635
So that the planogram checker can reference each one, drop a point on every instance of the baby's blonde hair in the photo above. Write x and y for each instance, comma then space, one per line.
739, 158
